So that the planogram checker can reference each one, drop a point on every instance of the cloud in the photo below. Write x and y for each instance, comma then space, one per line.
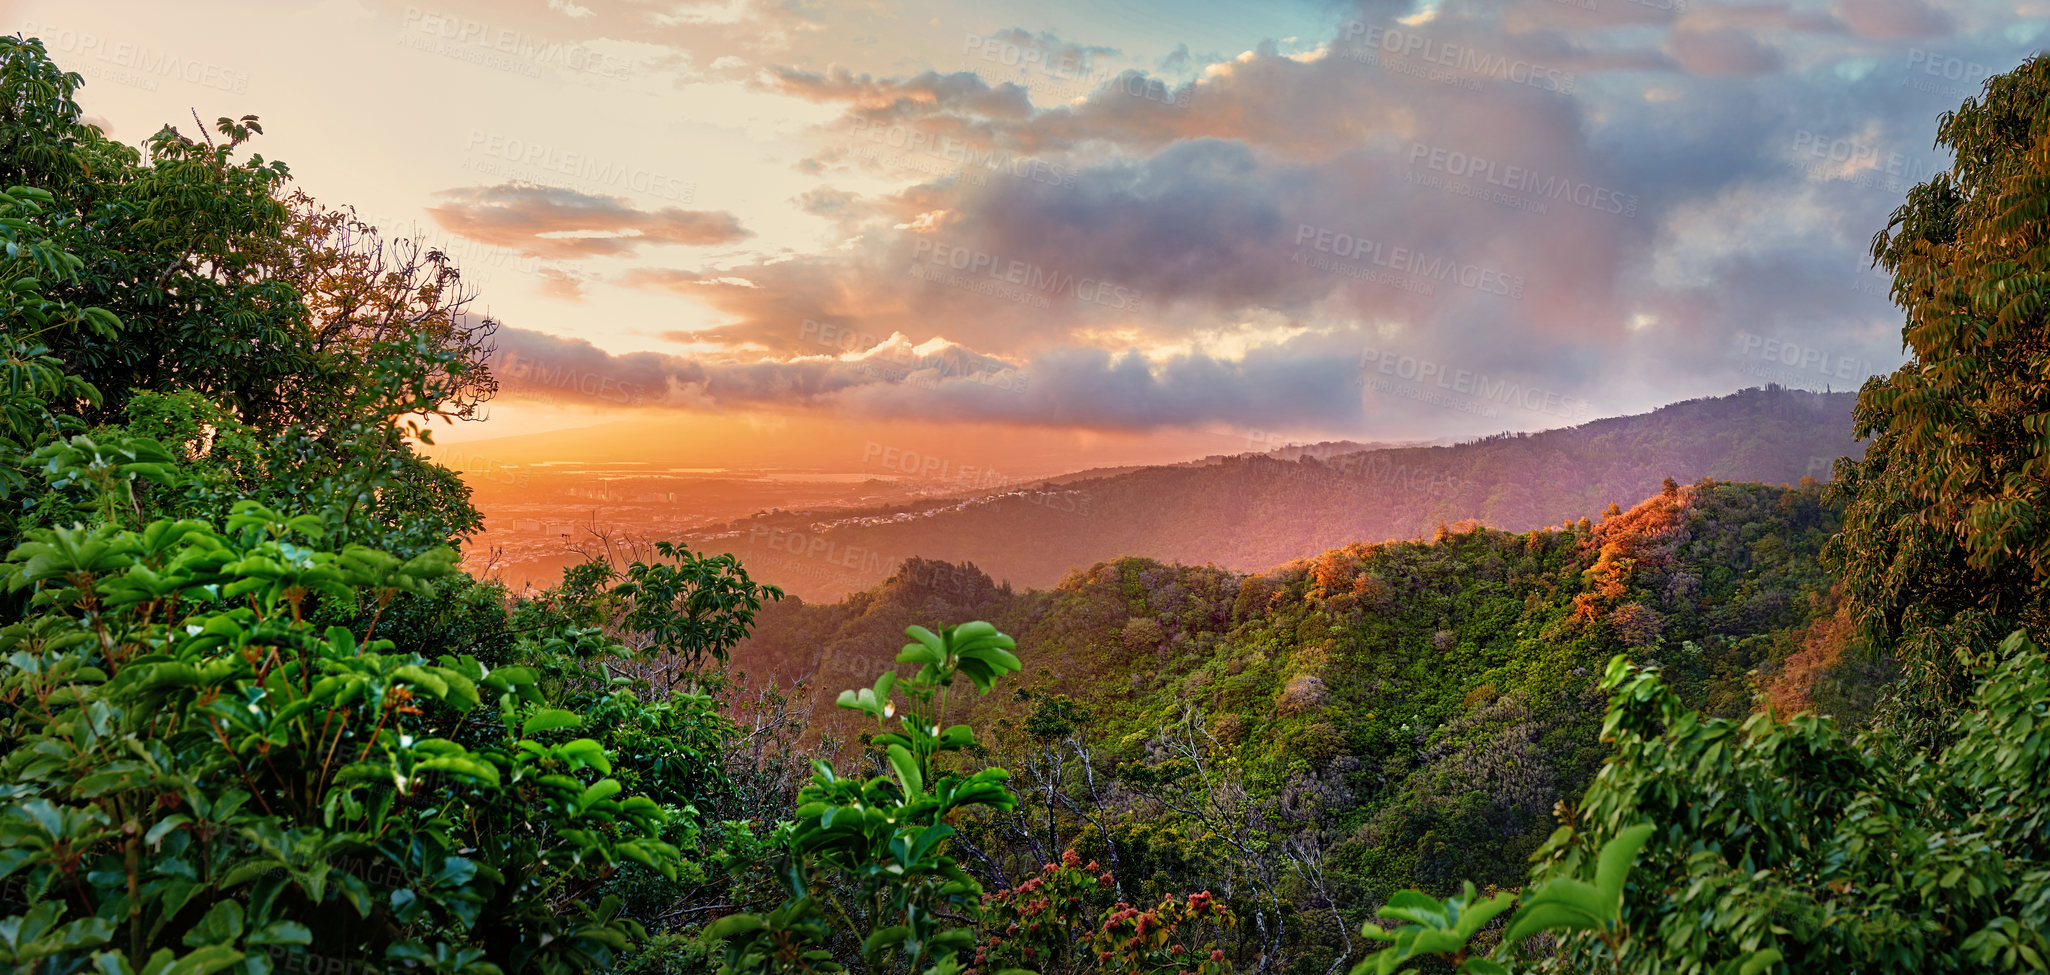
1723, 51
847, 210
1087, 388
1053, 52
1531, 15
1618, 165
928, 93
1209, 213
1893, 18
558, 283
1777, 17
553, 222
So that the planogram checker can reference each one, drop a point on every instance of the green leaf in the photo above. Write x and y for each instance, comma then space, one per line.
282, 933
550, 719
1416, 907
906, 768
222, 925
461, 765
1534, 918
1759, 961
1476, 916
732, 924
1613, 868
882, 938
585, 752
598, 791
204, 961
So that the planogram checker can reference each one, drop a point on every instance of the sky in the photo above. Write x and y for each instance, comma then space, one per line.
1133, 231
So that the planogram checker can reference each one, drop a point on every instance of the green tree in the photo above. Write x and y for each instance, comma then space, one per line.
1945, 547
1782, 836
329, 345
242, 725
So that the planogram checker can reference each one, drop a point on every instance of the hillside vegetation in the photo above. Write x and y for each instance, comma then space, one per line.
1438, 697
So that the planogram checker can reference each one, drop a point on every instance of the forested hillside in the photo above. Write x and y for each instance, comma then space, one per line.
1437, 697
1253, 513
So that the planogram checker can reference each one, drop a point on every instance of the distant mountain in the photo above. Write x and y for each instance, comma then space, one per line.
1253, 512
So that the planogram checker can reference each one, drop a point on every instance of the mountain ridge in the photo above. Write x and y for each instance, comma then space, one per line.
1252, 512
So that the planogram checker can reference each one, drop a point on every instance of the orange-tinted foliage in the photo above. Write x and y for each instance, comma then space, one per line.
1822, 648
1645, 536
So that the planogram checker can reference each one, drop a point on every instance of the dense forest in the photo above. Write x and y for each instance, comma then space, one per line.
1254, 512
253, 719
